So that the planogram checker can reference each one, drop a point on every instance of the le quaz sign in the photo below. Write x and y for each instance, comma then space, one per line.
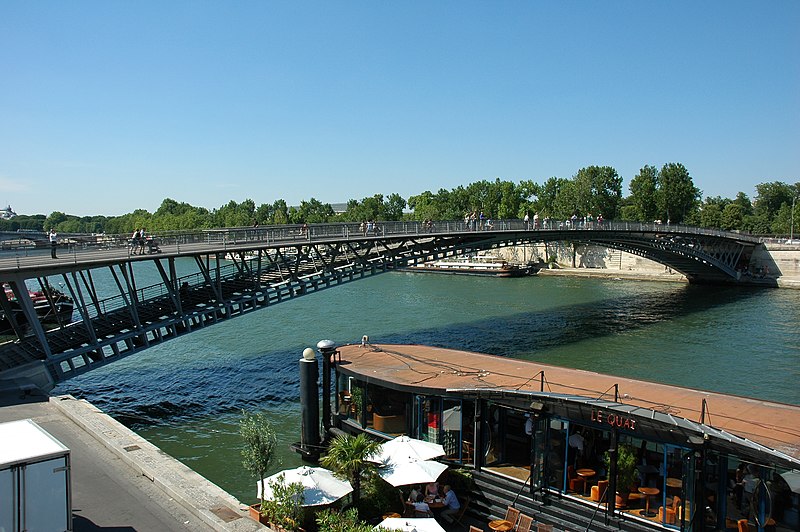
613, 420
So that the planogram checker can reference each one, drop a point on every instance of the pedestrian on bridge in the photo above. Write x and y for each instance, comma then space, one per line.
53, 243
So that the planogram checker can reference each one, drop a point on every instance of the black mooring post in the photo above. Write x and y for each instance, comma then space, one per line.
309, 404
327, 348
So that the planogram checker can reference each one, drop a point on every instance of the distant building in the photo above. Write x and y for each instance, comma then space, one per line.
339, 208
7, 213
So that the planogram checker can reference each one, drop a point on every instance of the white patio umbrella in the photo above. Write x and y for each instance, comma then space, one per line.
411, 472
320, 485
404, 449
793, 479
411, 524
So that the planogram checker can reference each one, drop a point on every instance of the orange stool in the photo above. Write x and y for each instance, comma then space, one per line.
599, 489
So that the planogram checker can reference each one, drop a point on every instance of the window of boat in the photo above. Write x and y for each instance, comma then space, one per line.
390, 410
506, 443
664, 474
429, 413
574, 458
765, 495
457, 429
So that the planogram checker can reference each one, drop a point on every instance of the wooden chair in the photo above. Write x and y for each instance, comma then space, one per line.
544, 528
576, 483
670, 513
512, 515
524, 524
461, 511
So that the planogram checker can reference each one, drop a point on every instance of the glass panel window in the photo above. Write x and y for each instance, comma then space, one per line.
430, 417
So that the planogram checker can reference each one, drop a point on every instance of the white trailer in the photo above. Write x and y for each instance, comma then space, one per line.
35, 489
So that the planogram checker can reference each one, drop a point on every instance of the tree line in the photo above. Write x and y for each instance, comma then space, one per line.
667, 194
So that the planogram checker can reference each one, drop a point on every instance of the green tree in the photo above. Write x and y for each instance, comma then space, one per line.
265, 214
394, 207
348, 457
259, 450
313, 211
677, 197
744, 203
53, 219
549, 203
280, 212
770, 197
642, 201
598, 190
425, 206
710, 214
732, 217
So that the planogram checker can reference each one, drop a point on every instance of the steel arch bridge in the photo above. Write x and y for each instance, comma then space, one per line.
241, 270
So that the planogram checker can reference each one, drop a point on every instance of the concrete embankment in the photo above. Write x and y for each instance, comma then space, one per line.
773, 265
122, 481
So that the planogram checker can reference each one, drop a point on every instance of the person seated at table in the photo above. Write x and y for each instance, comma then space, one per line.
432, 490
416, 491
421, 508
451, 505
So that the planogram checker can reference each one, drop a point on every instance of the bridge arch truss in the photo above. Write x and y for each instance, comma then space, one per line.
238, 277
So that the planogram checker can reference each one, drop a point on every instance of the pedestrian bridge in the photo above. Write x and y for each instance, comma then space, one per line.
240, 270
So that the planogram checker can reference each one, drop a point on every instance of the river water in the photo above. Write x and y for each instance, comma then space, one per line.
186, 395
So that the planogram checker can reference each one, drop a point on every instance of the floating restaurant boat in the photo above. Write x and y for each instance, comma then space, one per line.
555, 442
479, 266
52, 307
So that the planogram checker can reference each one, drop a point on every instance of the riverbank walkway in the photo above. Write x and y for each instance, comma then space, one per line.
122, 482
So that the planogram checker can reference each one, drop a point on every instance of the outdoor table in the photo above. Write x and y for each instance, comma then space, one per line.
501, 525
674, 483
585, 474
648, 492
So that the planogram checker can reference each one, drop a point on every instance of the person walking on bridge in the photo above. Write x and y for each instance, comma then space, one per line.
53, 243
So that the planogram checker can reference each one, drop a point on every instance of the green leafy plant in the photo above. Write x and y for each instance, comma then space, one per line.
259, 450
378, 497
626, 466
460, 480
285, 507
332, 521
357, 399
348, 457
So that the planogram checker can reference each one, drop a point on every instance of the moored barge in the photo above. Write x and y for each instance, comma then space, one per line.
499, 268
556, 442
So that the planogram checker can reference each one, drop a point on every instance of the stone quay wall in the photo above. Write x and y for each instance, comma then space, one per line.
773, 264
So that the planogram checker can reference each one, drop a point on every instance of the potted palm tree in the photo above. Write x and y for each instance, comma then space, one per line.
260, 441
348, 457
626, 471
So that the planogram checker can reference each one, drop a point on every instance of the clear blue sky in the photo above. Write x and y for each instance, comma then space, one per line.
109, 106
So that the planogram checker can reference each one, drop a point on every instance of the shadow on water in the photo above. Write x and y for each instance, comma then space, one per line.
150, 395
531, 332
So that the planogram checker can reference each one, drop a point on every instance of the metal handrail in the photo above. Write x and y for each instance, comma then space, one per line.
239, 237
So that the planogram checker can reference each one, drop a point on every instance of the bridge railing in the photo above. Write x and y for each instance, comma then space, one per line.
154, 292
298, 234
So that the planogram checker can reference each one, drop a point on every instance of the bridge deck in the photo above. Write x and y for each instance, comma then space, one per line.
286, 264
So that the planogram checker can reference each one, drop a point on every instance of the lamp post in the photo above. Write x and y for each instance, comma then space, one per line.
791, 226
